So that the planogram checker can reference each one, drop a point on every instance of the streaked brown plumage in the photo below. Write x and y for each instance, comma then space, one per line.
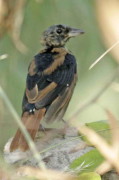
50, 83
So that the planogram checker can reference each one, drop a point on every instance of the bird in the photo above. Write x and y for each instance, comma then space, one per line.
50, 82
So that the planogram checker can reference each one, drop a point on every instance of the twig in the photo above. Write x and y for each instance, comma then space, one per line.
95, 98
99, 142
23, 130
106, 52
39, 174
18, 21
3, 56
114, 129
109, 151
103, 168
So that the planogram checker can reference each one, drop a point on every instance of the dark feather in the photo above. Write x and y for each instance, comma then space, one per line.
59, 105
31, 122
62, 77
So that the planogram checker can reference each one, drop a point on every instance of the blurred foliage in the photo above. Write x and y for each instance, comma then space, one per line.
102, 128
38, 15
90, 176
11, 19
108, 17
87, 162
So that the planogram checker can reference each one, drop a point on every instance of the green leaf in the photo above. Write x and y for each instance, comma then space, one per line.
102, 128
89, 176
87, 163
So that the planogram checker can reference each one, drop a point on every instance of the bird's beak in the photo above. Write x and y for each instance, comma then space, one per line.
75, 32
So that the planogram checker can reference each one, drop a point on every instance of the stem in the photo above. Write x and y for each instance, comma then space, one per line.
22, 128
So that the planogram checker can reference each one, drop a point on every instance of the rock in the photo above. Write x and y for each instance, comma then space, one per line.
56, 151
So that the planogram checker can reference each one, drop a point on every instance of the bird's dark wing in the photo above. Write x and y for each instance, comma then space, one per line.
51, 90
59, 106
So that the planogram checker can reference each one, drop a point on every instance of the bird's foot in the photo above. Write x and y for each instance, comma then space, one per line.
64, 129
41, 128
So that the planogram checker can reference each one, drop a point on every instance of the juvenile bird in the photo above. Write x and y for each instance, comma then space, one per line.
50, 83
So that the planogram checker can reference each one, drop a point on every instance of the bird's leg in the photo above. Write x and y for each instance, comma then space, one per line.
64, 129
42, 128
66, 124
61, 131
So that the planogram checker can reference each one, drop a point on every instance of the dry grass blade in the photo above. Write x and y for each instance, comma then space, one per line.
98, 142
6, 172
107, 151
16, 29
103, 168
4, 175
44, 175
115, 86
3, 56
114, 130
22, 128
106, 52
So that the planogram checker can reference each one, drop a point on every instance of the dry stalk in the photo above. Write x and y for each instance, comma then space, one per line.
109, 151
11, 20
23, 129
45, 175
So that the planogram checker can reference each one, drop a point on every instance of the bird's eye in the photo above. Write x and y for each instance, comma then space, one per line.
59, 31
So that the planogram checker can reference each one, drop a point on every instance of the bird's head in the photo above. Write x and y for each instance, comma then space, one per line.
58, 35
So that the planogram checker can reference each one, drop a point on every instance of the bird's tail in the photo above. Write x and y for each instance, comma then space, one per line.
31, 123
